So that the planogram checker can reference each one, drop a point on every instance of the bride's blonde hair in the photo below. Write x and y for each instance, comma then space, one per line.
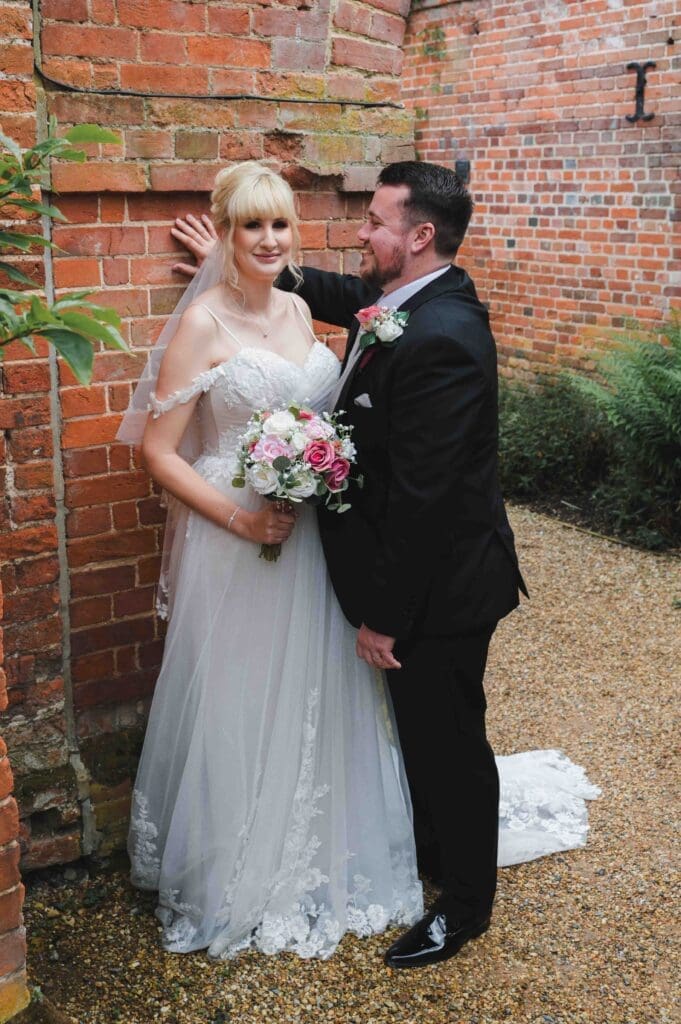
251, 191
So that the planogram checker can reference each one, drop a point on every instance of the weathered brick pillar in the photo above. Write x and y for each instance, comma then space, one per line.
13, 991
189, 86
17, 117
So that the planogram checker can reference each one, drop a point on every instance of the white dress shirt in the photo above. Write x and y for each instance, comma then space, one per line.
393, 300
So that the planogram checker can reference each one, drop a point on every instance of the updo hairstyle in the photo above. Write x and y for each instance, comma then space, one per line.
251, 191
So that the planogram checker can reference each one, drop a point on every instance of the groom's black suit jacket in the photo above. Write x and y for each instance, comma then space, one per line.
426, 546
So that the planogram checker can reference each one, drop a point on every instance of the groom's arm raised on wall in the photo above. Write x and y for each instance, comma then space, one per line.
332, 298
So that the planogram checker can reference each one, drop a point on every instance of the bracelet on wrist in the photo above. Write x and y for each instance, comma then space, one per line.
233, 517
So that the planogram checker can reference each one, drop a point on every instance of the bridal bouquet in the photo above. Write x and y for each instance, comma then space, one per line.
294, 455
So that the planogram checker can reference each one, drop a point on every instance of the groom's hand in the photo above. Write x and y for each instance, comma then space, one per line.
376, 648
198, 236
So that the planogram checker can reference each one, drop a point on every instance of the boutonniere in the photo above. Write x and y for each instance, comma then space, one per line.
380, 324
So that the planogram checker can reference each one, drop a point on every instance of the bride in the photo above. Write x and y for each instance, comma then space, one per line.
271, 809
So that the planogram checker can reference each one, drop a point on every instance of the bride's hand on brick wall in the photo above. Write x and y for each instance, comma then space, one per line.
198, 236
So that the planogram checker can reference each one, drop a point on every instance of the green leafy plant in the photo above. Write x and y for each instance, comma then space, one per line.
553, 441
640, 395
72, 324
606, 449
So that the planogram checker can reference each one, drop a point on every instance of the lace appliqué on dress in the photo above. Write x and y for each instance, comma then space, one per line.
201, 383
541, 807
144, 836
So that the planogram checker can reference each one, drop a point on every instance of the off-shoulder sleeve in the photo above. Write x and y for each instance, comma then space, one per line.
200, 384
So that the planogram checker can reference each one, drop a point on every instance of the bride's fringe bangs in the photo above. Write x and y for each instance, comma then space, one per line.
252, 191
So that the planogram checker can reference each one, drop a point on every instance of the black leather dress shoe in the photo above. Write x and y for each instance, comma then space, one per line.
436, 937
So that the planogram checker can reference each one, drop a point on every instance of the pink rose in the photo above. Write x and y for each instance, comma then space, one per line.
367, 314
339, 471
305, 414
270, 448
320, 455
318, 429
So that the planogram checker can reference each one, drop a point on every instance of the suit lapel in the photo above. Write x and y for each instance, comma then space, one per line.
352, 334
455, 279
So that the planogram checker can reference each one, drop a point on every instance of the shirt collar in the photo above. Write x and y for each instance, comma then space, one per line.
401, 295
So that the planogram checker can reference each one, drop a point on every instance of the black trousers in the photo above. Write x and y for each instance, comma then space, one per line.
440, 706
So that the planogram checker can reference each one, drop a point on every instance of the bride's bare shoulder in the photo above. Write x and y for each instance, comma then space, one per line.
296, 302
195, 343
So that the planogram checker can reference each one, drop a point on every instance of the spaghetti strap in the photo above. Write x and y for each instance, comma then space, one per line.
220, 323
302, 316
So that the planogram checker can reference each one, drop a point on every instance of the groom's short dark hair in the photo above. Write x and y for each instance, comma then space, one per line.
436, 194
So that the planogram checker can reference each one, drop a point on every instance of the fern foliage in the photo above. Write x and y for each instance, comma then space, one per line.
608, 447
640, 396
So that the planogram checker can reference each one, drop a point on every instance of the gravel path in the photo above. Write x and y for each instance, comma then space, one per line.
589, 666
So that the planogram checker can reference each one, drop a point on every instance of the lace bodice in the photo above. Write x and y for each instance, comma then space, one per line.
253, 378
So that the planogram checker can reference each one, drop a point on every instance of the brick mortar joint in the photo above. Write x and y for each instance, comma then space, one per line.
56, 424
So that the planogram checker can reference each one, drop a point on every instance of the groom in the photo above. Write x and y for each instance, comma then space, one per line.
424, 563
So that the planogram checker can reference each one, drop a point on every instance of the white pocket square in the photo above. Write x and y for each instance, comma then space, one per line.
364, 401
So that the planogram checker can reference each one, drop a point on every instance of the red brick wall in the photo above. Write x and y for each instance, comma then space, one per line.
577, 209
13, 990
80, 683
17, 116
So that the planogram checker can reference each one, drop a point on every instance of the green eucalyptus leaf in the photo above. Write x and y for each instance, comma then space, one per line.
72, 299
10, 145
14, 274
74, 156
74, 349
36, 207
281, 463
23, 242
40, 313
37, 154
91, 328
107, 315
9, 299
91, 133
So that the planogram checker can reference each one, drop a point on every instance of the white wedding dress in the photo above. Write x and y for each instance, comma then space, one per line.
271, 809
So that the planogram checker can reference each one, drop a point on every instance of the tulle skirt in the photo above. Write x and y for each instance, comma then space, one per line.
271, 809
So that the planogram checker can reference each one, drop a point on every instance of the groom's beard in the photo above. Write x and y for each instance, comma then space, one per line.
379, 276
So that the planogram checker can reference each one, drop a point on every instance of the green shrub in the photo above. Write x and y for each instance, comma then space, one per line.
610, 447
553, 441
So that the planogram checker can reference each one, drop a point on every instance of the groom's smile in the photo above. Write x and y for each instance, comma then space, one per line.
384, 237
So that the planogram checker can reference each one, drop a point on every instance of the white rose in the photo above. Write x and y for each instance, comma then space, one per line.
262, 478
388, 331
280, 423
304, 487
298, 441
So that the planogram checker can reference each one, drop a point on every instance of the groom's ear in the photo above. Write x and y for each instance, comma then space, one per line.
424, 234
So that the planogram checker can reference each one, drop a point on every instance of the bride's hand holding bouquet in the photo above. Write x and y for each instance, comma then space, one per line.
295, 455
